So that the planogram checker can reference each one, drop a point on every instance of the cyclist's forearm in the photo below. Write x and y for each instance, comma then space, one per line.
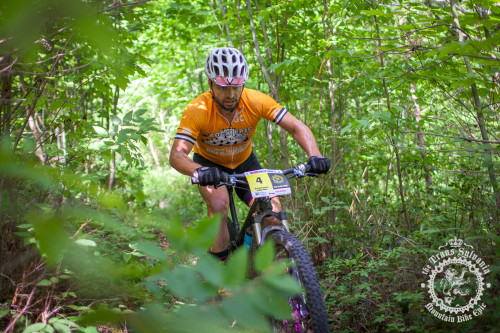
301, 133
179, 159
183, 163
306, 140
308, 144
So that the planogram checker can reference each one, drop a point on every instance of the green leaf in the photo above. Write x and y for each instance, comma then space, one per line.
286, 283
373, 12
115, 120
61, 328
50, 235
127, 257
364, 122
345, 129
151, 250
386, 47
122, 137
100, 131
264, 256
34, 328
431, 231
490, 236
47, 329
274, 304
319, 239
138, 113
184, 282
4, 312
139, 196
86, 242
203, 235
236, 267
243, 311
387, 116
101, 315
128, 118
211, 270
176, 234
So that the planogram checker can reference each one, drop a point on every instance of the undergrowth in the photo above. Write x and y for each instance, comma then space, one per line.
108, 262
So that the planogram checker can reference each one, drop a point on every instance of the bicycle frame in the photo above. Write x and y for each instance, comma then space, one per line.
260, 209
307, 308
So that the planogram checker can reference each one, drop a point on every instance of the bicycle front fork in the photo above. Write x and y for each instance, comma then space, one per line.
261, 235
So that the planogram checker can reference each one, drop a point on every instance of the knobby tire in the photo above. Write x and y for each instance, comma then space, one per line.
287, 245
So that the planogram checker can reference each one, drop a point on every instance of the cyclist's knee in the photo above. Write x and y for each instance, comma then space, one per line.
217, 205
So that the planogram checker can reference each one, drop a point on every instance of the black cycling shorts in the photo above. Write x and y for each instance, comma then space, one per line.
250, 164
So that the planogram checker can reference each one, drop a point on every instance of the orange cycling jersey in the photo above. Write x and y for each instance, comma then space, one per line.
218, 140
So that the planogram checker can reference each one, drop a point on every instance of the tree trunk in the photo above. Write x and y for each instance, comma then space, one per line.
161, 117
112, 162
31, 120
266, 41
5, 114
5, 96
479, 113
223, 12
273, 88
153, 151
393, 140
330, 65
420, 136
269, 135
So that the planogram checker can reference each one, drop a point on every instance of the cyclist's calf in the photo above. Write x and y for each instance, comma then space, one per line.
217, 201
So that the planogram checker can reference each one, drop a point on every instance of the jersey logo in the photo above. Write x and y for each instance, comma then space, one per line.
238, 117
226, 137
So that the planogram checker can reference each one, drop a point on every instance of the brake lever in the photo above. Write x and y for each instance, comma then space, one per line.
299, 171
230, 181
311, 174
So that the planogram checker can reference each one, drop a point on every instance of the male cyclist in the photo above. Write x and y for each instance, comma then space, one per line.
219, 125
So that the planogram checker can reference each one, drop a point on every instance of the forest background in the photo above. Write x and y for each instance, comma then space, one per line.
98, 232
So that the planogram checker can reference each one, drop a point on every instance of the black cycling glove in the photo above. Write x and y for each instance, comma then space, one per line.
207, 176
319, 164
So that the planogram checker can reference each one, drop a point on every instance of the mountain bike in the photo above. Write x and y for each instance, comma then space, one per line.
307, 309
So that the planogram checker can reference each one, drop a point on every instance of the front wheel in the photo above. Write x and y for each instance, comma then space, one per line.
308, 311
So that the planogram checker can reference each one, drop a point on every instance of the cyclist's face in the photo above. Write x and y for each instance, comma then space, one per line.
226, 98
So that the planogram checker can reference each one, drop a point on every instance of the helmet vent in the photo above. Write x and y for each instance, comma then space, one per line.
227, 62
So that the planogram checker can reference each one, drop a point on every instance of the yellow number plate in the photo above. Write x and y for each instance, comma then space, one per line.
265, 183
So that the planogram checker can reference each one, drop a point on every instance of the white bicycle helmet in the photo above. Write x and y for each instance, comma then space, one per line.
227, 67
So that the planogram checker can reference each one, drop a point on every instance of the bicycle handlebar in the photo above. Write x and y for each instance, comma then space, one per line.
302, 170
